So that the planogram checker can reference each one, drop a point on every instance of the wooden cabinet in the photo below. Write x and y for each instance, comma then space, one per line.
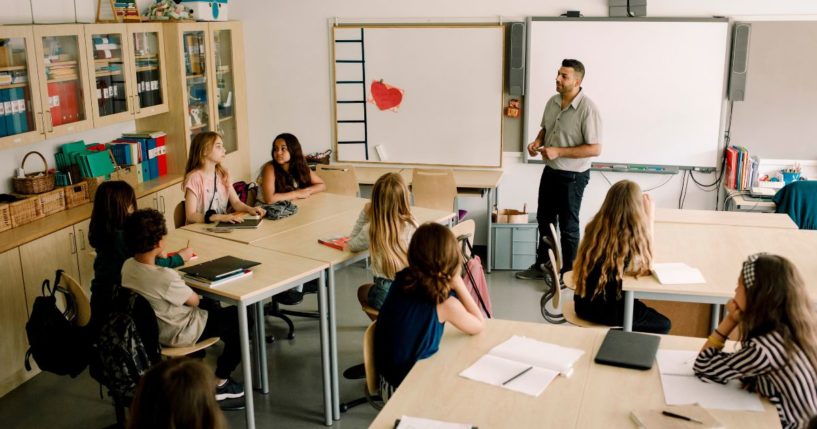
65, 97
206, 92
19, 92
85, 255
128, 71
42, 258
13, 317
165, 201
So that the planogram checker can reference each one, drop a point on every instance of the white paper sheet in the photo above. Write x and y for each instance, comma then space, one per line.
686, 390
677, 273
538, 354
407, 422
496, 370
676, 362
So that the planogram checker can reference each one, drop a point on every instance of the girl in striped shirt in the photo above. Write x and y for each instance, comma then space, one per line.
778, 333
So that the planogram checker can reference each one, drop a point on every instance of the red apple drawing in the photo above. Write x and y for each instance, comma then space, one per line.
386, 96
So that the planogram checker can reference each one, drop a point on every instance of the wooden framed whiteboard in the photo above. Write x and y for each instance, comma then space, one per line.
418, 94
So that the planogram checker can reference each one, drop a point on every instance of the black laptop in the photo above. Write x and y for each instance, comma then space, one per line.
628, 350
247, 224
220, 268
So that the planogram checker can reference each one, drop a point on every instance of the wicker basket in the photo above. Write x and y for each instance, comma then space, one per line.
52, 202
25, 211
5, 217
34, 183
76, 194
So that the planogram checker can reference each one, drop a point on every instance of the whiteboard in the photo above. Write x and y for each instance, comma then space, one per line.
658, 83
450, 79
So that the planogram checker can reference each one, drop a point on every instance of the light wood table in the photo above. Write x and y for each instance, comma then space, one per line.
303, 242
313, 209
718, 251
277, 273
595, 396
712, 217
469, 181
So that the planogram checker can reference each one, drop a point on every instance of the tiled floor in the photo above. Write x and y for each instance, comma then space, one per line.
295, 398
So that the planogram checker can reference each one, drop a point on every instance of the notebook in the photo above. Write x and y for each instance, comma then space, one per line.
247, 224
628, 350
677, 273
217, 269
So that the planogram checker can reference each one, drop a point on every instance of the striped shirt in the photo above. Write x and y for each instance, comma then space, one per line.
763, 365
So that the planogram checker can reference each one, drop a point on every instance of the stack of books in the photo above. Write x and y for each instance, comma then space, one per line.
741, 169
62, 70
218, 271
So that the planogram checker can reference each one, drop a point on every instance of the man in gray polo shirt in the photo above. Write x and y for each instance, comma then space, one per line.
570, 136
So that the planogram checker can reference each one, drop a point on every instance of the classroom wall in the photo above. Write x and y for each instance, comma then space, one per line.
287, 46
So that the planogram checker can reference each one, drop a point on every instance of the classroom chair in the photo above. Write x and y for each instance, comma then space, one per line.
434, 189
554, 296
370, 311
465, 229
79, 301
274, 309
371, 388
339, 179
179, 215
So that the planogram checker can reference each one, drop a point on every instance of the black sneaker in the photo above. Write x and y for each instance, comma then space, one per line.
532, 273
229, 390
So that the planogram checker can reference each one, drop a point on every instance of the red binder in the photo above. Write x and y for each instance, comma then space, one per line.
55, 103
161, 151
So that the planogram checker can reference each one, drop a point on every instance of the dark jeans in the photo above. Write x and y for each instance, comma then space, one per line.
560, 198
649, 320
223, 323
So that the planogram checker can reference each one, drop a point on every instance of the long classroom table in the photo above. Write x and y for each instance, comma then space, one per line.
277, 273
718, 251
595, 396
469, 181
712, 217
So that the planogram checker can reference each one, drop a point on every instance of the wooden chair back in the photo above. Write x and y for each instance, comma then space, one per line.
466, 228
339, 179
434, 189
82, 302
557, 290
372, 381
557, 246
179, 215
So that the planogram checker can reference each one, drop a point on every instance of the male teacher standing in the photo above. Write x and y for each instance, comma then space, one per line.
570, 136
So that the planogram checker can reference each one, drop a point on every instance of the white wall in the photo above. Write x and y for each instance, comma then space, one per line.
288, 71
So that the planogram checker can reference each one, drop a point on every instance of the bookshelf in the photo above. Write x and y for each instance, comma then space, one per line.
201, 96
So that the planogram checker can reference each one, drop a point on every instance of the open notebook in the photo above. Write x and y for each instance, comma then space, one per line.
677, 273
682, 387
523, 365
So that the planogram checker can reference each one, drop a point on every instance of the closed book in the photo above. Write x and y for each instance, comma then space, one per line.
153, 158
334, 242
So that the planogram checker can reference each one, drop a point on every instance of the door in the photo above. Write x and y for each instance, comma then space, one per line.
63, 79
20, 111
147, 53
111, 79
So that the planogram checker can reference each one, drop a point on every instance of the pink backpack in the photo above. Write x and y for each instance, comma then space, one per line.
474, 277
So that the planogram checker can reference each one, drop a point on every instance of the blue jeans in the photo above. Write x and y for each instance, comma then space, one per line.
378, 292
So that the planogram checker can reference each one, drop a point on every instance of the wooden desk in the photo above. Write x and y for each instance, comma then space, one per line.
484, 182
595, 396
718, 251
313, 209
277, 273
303, 242
711, 217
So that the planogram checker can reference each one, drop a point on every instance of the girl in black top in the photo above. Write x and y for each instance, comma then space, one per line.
616, 242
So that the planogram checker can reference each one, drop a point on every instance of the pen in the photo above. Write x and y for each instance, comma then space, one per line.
678, 416
517, 375
188, 243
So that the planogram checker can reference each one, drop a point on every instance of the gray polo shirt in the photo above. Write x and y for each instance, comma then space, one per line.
578, 124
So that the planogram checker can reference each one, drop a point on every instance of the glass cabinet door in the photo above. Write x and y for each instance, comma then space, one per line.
146, 45
225, 88
61, 53
107, 45
17, 121
195, 71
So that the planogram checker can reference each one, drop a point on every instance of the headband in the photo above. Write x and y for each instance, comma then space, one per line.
749, 270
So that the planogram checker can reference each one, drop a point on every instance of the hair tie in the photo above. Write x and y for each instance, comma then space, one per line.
749, 270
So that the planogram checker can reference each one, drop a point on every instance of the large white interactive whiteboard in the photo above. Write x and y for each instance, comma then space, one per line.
659, 84
419, 94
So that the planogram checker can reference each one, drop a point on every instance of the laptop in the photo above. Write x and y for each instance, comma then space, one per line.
628, 350
247, 224
219, 268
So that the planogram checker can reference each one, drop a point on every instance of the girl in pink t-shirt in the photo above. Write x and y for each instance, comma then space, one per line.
207, 187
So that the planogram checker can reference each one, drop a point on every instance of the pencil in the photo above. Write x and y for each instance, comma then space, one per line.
188, 243
517, 375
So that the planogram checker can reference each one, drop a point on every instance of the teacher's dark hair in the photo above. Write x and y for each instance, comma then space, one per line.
575, 65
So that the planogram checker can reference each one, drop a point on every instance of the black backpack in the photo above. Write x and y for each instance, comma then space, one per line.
127, 344
56, 343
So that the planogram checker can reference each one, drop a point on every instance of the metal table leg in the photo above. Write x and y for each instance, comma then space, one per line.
244, 334
333, 345
260, 342
715, 311
629, 303
325, 364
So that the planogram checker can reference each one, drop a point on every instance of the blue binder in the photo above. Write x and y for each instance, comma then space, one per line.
5, 98
3, 131
22, 114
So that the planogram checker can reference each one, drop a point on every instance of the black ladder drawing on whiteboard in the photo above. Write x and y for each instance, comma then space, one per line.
361, 101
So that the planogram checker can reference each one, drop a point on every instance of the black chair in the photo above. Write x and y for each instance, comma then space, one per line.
274, 309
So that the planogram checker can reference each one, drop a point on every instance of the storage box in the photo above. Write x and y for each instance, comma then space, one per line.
52, 201
25, 211
76, 194
5, 217
128, 174
93, 184
514, 245
201, 10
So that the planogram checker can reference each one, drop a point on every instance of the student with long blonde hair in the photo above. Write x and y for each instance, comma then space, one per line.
208, 189
424, 295
385, 227
617, 242
777, 328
